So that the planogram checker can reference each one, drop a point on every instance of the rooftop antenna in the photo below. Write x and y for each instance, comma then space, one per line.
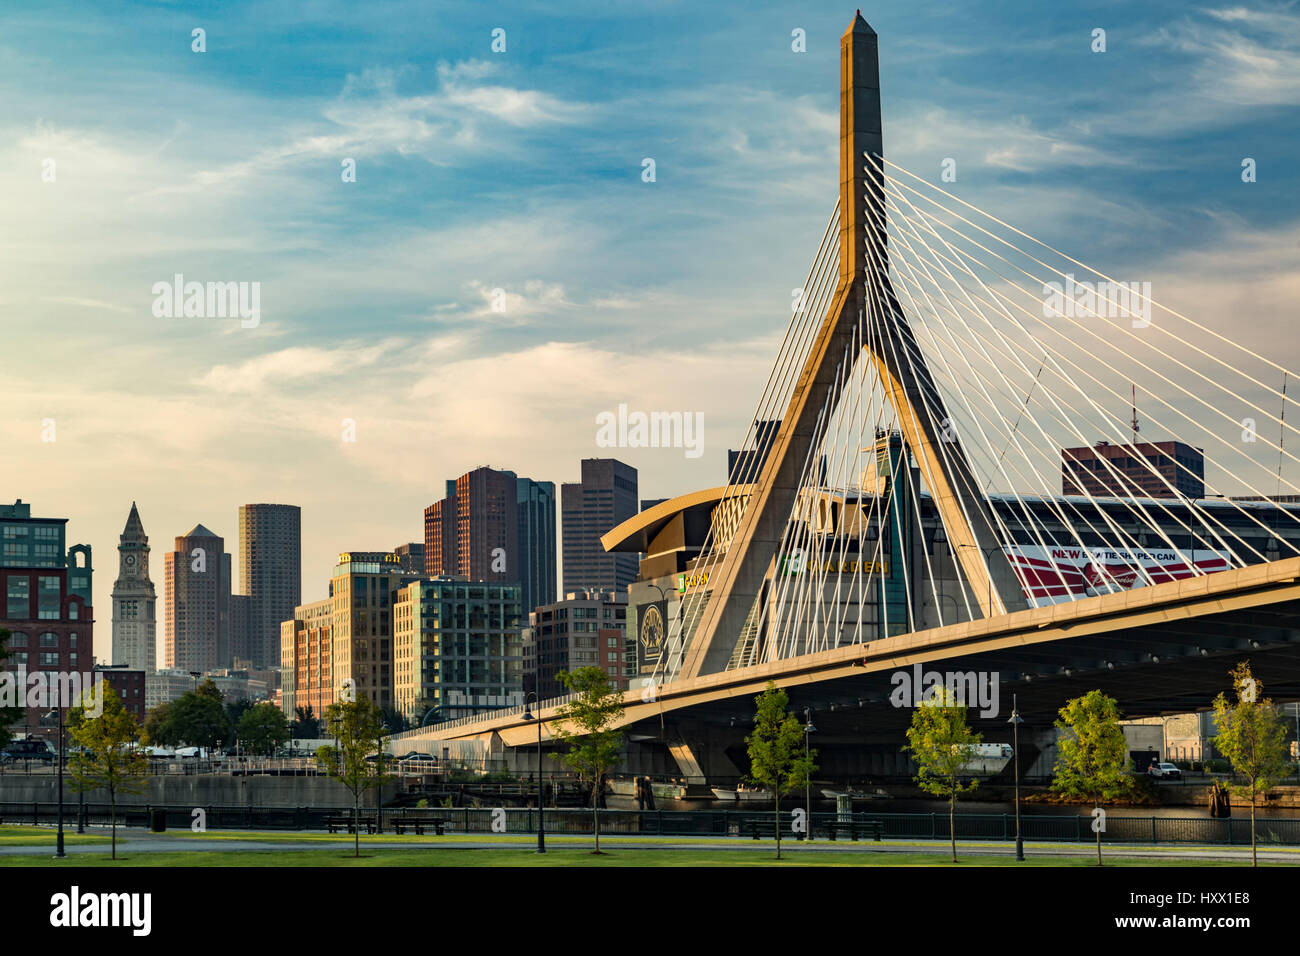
1135, 412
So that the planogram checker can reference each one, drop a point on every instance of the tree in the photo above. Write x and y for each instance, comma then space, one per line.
236, 709
777, 762
394, 720
1252, 735
306, 725
263, 727
942, 744
586, 725
196, 718
357, 725
8, 715
156, 727
1092, 760
108, 758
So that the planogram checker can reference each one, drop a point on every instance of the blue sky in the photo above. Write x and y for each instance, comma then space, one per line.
522, 171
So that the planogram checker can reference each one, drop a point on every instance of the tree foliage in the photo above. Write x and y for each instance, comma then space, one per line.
262, 728
1252, 735
358, 727
943, 744
1092, 759
109, 757
777, 762
305, 725
196, 718
8, 715
586, 726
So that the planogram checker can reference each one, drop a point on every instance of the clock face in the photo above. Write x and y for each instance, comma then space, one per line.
130, 560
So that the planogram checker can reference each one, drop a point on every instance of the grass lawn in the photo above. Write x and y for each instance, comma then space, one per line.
12, 835
563, 856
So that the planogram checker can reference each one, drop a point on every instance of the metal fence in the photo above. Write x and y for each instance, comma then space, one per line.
719, 823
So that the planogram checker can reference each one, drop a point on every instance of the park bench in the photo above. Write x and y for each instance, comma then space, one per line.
334, 824
419, 824
854, 828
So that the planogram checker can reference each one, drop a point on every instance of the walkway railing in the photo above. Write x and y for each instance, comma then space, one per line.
486, 821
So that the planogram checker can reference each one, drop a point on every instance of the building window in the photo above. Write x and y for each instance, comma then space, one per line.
49, 639
18, 639
49, 657
18, 599
47, 607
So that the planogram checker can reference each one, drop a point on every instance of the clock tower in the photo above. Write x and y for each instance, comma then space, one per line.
134, 626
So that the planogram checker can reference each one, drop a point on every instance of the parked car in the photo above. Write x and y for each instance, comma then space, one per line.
29, 749
1165, 771
418, 755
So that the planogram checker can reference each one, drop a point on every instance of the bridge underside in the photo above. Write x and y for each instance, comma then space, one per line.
1152, 670
1158, 650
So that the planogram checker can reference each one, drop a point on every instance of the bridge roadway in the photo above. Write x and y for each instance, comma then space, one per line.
1161, 649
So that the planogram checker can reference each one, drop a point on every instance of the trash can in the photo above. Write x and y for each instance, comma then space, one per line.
158, 821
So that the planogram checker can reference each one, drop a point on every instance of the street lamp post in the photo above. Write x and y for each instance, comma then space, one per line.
541, 798
808, 728
58, 851
379, 790
1015, 723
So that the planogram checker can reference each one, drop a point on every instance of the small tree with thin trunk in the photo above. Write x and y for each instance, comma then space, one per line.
777, 762
8, 715
586, 725
942, 744
357, 725
1092, 760
1252, 735
109, 758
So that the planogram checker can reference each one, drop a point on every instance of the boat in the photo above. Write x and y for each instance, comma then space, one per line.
741, 795
856, 794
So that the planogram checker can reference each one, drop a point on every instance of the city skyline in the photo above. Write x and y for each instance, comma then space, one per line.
194, 417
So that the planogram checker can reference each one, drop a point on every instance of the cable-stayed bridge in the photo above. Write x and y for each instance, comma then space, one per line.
948, 468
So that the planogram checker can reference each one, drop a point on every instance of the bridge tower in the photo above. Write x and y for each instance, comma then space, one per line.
863, 288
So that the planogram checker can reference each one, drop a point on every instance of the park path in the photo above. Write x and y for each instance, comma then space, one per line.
168, 843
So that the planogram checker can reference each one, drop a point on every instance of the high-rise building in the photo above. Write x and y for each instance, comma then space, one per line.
606, 496
744, 467
458, 648
306, 655
536, 501
198, 626
412, 556
497, 527
440, 534
135, 628
361, 633
47, 593
1162, 469
270, 574
586, 629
